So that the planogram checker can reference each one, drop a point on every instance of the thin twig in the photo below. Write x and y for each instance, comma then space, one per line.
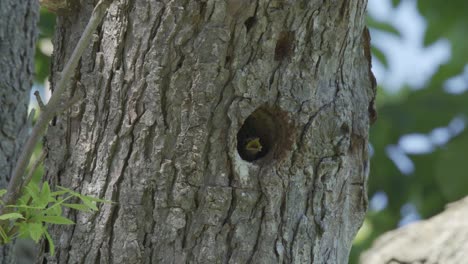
39, 100
49, 110
33, 168
31, 115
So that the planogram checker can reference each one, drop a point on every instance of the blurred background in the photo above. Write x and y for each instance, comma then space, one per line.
419, 143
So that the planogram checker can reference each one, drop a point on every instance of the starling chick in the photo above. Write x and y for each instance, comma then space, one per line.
252, 147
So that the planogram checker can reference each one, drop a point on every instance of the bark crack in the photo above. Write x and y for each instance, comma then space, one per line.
257, 240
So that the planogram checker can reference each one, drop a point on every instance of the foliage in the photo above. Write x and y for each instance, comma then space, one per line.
39, 207
439, 175
42, 60
26, 208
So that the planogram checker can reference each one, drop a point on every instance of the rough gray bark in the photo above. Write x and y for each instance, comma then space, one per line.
440, 239
168, 86
18, 32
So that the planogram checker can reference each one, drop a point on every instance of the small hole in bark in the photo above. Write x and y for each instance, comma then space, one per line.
249, 23
284, 45
263, 135
344, 129
180, 63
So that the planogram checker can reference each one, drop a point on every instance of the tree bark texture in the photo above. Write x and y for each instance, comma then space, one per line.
18, 19
18, 32
441, 239
173, 89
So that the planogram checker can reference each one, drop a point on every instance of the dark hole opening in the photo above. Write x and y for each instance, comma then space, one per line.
284, 45
180, 63
259, 135
249, 23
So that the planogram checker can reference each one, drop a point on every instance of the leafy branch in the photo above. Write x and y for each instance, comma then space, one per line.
26, 209
55, 105
37, 208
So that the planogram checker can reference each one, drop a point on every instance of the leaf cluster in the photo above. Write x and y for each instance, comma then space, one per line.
37, 208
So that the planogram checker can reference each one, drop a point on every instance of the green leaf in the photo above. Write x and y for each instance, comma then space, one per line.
69, 191
45, 192
33, 191
88, 202
23, 231
79, 207
24, 199
382, 26
379, 55
44, 196
450, 169
4, 235
57, 207
50, 241
25, 207
11, 216
98, 199
2, 192
58, 193
54, 210
35, 231
53, 219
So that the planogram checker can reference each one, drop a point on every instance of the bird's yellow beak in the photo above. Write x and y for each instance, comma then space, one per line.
254, 145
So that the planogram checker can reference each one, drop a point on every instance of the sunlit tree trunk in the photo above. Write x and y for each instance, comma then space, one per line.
18, 33
174, 92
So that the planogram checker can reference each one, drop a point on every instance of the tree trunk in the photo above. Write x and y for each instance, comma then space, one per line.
441, 239
224, 131
18, 33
